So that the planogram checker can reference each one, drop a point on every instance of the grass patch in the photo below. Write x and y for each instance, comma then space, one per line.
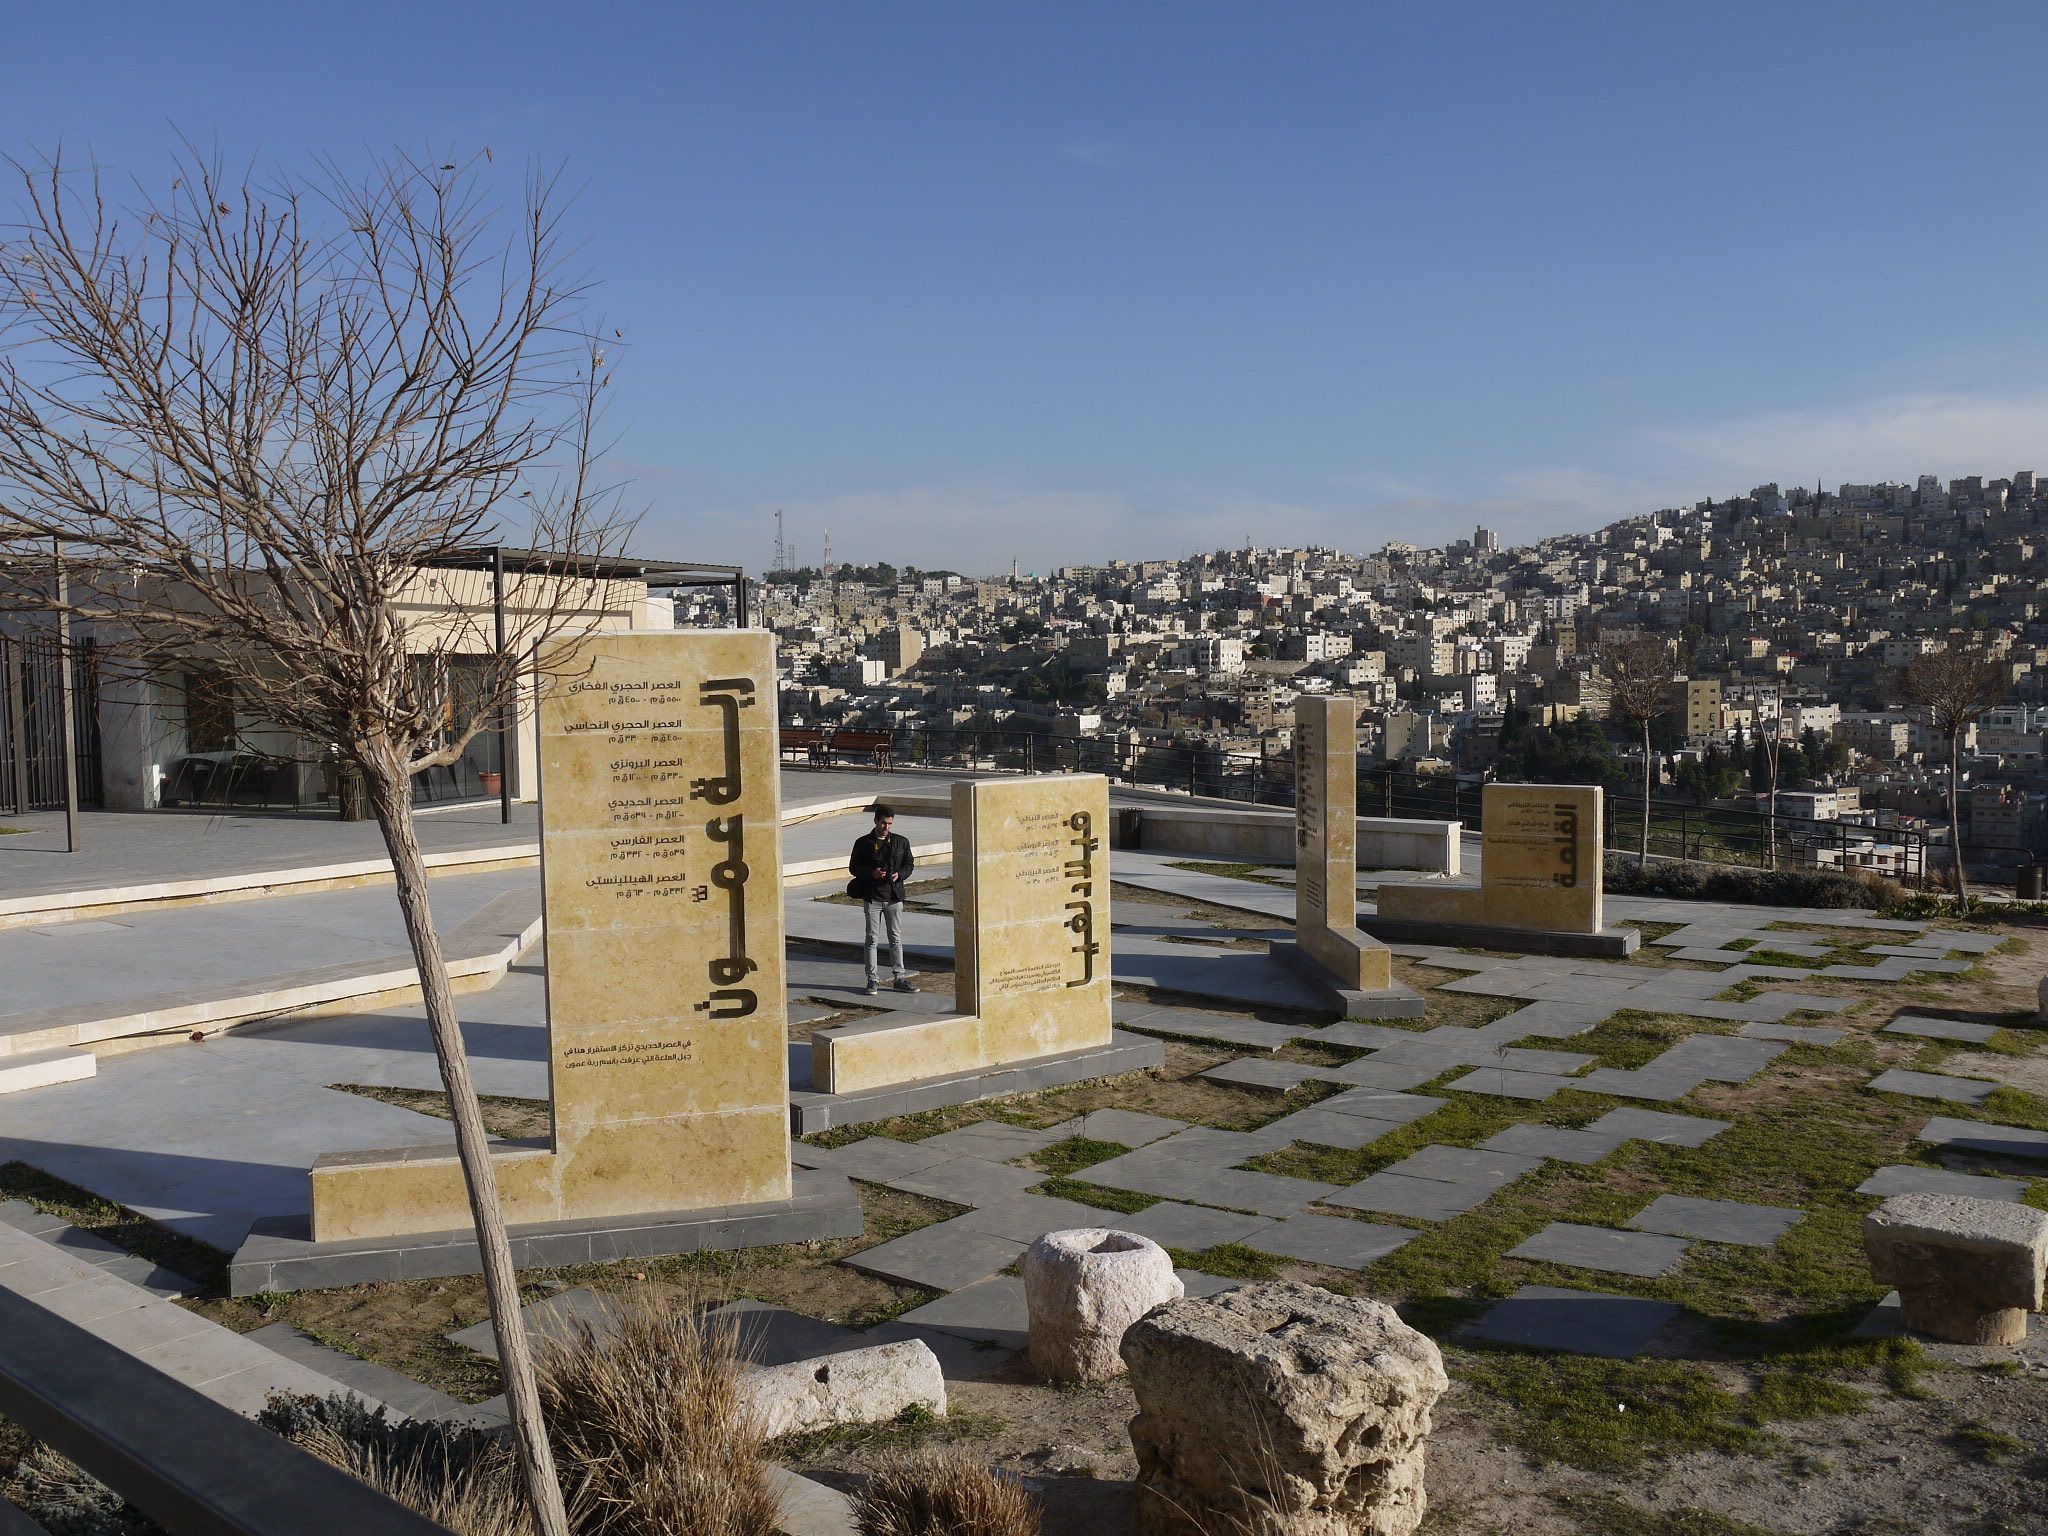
914, 1426
1100, 1196
197, 1261
1228, 1261
1988, 1444
1612, 1415
1608, 1514
1074, 1154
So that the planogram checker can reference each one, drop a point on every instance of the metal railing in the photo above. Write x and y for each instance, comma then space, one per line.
1678, 830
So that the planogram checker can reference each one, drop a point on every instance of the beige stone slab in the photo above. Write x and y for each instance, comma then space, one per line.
1031, 913
852, 1059
661, 860
1326, 846
1540, 857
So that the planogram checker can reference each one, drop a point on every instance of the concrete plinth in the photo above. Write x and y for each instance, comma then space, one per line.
811, 1112
1609, 944
281, 1256
1392, 1002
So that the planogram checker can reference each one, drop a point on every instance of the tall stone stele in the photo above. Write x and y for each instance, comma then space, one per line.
1030, 942
661, 866
1326, 846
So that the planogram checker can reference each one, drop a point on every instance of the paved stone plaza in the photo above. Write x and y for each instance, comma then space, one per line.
1562, 1146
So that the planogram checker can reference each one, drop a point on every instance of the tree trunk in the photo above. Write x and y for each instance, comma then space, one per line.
390, 789
1771, 812
1955, 823
1643, 852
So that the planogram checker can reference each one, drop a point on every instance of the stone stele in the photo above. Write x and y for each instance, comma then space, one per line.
1326, 846
1967, 1270
1540, 866
1280, 1410
1083, 1288
1030, 941
661, 867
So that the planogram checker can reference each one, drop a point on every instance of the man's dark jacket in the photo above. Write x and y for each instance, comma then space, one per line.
892, 860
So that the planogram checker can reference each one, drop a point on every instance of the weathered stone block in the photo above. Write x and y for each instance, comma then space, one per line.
1967, 1270
1083, 1288
1280, 1410
860, 1386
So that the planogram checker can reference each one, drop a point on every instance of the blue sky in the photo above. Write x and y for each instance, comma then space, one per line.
968, 282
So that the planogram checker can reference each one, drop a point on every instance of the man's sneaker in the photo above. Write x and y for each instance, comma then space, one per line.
871, 989
903, 984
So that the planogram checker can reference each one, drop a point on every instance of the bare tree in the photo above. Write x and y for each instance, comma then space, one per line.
272, 424
1955, 686
1638, 674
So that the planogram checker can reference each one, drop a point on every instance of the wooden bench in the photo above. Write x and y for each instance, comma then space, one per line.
876, 744
804, 739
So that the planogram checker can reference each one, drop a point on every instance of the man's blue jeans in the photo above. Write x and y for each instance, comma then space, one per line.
884, 919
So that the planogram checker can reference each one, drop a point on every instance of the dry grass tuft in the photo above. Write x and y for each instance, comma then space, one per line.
477, 1494
943, 1493
651, 1427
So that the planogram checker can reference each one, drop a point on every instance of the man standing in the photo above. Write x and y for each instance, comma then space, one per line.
880, 863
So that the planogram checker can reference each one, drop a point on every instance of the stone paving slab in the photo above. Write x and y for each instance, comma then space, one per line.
1207, 1145
942, 1257
1466, 1165
1190, 1228
1568, 1146
1983, 1136
1391, 1076
1576, 1322
990, 1311
1363, 1037
1332, 1128
1646, 1254
1911, 1179
1127, 1127
1274, 1076
967, 1181
1719, 1221
1337, 1241
1932, 1085
1392, 1194
996, 1142
1655, 1125
1199, 1284
1026, 1218
564, 1309
1265, 1194
1382, 1104
771, 1335
1214, 1028
1950, 939
878, 1159
1642, 1083
1939, 1029
1510, 1085
1794, 1034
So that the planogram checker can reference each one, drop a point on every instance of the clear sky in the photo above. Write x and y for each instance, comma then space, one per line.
1060, 282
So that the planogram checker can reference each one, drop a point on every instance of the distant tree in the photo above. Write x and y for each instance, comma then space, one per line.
1956, 687
1638, 674
1810, 751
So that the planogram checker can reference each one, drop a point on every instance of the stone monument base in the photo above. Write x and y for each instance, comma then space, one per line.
1391, 1002
279, 1255
811, 1111
1608, 944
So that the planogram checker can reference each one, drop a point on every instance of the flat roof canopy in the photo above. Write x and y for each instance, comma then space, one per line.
656, 573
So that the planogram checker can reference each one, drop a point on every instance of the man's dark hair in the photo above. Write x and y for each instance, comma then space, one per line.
881, 810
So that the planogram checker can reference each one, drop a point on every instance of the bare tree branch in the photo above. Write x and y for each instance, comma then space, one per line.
269, 422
